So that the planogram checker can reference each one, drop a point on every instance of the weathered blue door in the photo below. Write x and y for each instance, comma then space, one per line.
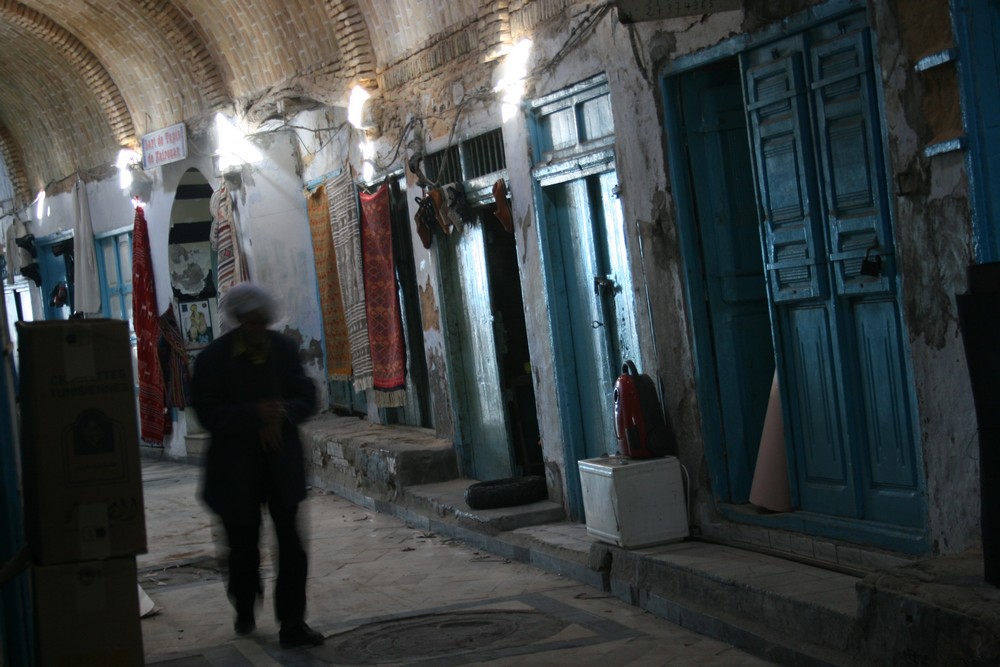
739, 366
828, 240
473, 346
575, 213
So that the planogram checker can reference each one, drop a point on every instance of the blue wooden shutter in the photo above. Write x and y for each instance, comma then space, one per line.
856, 202
851, 161
779, 122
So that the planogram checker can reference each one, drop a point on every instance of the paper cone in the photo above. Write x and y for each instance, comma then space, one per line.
146, 605
770, 488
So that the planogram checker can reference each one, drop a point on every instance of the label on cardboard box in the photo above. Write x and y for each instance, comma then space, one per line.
94, 531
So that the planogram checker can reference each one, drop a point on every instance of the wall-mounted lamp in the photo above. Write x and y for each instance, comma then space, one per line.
233, 149
128, 161
510, 84
363, 112
40, 204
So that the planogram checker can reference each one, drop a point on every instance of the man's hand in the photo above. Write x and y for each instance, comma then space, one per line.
272, 417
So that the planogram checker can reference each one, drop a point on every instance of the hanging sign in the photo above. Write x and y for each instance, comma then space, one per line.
634, 11
164, 146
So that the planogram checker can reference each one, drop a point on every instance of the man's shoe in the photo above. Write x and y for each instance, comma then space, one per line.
245, 624
293, 635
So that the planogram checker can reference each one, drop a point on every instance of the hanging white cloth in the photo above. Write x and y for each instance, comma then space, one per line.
86, 287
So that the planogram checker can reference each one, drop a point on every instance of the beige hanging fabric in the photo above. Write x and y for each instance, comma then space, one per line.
86, 285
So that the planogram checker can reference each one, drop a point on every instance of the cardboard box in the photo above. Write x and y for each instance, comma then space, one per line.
81, 472
87, 614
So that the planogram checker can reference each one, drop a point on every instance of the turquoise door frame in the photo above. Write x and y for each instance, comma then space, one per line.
589, 302
841, 351
977, 24
585, 267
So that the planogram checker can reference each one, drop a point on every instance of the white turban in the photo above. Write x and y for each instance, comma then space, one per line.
248, 297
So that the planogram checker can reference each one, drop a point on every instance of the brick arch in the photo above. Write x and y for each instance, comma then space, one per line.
82, 60
13, 157
354, 41
190, 46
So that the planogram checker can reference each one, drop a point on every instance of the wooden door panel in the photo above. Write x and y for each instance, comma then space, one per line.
779, 121
741, 363
883, 386
825, 475
473, 348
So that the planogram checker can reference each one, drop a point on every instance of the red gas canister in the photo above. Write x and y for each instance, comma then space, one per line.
639, 424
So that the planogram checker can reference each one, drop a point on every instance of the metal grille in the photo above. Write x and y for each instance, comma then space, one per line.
470, 159
484, 154
444, 166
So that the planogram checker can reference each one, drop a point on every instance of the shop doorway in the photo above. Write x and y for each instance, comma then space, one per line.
488, 344
813, 144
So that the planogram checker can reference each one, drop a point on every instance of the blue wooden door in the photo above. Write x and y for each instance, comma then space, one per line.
977, 25
739, 367
592, 298
841, 353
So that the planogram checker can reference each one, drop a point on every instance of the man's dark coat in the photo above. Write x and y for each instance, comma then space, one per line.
240, 473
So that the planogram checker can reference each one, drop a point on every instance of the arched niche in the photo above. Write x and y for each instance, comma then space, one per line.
192, 261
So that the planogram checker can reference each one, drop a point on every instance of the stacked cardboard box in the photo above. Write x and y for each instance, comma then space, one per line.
84, 515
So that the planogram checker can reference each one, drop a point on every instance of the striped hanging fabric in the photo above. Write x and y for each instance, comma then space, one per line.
223, 236
147, 333
346, 227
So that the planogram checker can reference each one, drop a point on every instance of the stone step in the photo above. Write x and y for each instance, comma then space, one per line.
786, 611
350, 454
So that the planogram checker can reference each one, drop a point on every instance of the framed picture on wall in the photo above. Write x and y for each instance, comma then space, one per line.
196, 323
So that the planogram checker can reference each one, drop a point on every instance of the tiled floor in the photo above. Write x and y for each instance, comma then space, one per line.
389, 594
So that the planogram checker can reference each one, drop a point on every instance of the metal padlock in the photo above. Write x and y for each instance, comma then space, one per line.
871, 266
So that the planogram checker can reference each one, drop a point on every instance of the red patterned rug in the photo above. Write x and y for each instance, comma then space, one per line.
338, 344
385, 321
147, 333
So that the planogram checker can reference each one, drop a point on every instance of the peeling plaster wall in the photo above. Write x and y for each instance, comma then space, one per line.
624, 53
274, 219
934, 246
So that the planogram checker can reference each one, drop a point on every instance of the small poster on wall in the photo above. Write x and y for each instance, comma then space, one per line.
196, 324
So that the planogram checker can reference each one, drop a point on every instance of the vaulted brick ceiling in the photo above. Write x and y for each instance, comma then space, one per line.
81, 78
